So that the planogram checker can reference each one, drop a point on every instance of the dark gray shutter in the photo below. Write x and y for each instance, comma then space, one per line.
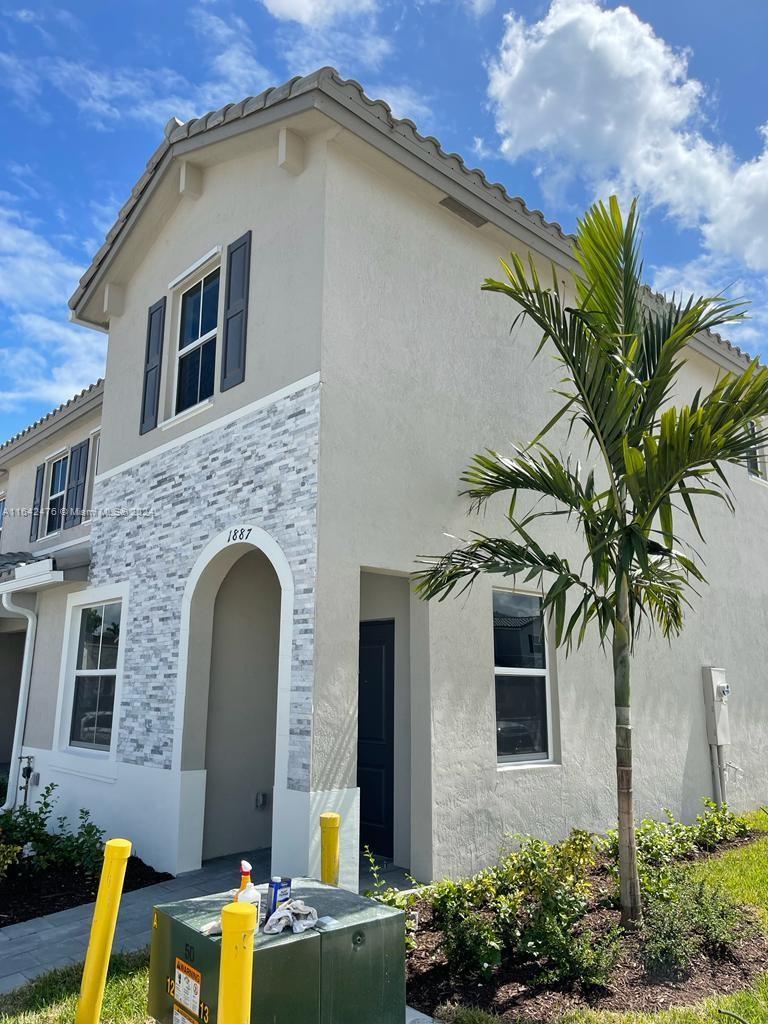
150, 399
74, 498
236, 312
34, 526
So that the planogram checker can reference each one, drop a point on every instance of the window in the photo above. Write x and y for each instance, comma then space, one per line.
95, 676
754, 462
522, 685
197, 342
57, 488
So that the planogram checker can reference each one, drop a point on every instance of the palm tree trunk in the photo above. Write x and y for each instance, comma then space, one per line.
631, 905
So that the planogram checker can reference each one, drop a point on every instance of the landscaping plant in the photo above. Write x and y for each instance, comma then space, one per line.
621, 352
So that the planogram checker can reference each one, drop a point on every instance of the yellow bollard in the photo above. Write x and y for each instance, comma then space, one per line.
238, 923
116, 854
330, 823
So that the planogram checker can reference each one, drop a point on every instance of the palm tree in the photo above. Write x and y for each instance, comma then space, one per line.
621, 351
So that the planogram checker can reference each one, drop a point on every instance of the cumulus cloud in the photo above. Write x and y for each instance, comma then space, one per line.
317, 12
594, 93
405, 101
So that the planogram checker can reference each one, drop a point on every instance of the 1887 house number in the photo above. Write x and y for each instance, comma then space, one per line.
239, 533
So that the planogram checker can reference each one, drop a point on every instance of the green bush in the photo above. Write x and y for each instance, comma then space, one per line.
29, 828
472, 942
718, 825
690, 916
9, 855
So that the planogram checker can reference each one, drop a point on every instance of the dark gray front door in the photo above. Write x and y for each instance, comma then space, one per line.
375, 736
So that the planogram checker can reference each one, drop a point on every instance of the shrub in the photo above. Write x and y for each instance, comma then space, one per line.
718, 825
29, 828
8, 857
471, 940
690, 916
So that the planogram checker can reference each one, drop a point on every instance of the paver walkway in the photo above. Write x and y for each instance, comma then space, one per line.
34, 947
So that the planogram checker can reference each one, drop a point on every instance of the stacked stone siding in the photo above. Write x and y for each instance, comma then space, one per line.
258, 470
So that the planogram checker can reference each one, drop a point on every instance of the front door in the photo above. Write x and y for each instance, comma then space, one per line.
375, 736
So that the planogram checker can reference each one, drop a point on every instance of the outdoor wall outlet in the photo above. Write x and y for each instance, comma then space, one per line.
716, 694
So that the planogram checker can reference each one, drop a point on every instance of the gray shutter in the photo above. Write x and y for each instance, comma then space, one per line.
150, 399
34, 526
236, 312
74, 497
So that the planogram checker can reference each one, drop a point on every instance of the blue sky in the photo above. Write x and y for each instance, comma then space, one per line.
561, 100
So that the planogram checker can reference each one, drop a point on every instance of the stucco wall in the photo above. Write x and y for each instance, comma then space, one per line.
248, 191
419, 371
20, 488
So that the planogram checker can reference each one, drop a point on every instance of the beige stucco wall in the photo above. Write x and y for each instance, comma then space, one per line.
20, 487
242, 708
284, 212
419, 371
46, 664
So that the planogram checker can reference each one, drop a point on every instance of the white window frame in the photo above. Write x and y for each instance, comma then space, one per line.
196, 275
520, 760
64, 453
88, 760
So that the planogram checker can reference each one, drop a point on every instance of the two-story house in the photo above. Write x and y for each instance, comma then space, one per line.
300, 365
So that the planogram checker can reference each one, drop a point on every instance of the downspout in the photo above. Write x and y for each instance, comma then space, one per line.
21, 710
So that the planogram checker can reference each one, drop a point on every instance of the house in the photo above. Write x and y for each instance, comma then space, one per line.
221, 640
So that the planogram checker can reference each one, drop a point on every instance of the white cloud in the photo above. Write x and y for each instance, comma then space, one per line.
594, 93
317, 12
105, 95
481, 7
307, 48
42, 357
479, 148
405, 101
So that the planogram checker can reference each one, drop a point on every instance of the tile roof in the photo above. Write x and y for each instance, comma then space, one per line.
69, 405
351, 94
11, 560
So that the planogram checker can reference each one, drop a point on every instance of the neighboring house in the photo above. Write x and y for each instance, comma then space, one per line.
300, 365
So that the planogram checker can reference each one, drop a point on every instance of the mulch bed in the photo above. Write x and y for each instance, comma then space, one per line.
25, 894
514, 994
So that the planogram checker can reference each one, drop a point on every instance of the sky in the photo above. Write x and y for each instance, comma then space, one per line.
563, 101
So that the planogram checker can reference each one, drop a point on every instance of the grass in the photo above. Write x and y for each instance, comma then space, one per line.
52, 998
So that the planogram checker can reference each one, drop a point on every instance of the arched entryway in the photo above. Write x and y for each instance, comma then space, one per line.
242, 709
234, 694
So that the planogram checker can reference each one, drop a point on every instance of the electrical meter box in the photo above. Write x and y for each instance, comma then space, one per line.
716, 694
348, 970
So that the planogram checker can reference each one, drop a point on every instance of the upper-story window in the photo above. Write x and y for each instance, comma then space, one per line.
61, 491
754, 459
197, 342
523, 726
57, 489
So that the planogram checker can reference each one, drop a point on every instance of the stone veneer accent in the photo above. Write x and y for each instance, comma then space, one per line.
260, 470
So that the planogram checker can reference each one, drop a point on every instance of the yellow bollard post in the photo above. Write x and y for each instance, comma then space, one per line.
330, 823
116, 854
238, 923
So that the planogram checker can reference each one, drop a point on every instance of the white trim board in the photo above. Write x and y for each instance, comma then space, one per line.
206, 428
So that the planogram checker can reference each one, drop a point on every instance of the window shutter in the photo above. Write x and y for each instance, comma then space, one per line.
75, 494
236, 312
151, 396
34, 528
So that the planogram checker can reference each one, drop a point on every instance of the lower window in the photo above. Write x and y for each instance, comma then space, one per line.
521, 674
95, 676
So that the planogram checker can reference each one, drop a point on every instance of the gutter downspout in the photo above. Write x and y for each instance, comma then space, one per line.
21, 710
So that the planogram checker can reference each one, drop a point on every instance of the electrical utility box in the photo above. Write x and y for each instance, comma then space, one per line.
716, 694
349, 970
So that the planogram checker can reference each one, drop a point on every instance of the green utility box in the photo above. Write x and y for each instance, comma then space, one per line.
349, 970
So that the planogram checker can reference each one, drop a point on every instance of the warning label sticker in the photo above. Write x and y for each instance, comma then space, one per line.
187, 987
181, 1016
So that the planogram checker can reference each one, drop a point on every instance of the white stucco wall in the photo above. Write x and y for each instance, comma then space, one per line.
419, 371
